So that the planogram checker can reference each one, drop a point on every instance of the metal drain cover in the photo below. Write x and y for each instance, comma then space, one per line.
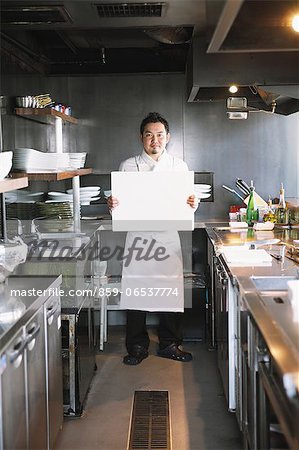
150, 423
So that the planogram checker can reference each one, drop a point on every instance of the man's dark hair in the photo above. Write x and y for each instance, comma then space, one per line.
153, 117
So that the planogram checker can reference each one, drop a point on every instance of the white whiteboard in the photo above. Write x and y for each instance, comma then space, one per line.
152, 201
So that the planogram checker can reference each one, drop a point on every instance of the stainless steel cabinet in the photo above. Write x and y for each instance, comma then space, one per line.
52, 311
225, 306
13, 390
272, 406
31, 382
36, 382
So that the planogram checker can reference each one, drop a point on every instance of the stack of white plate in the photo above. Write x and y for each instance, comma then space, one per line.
77, 160
88, 194
23, 196
202, 191
32, 160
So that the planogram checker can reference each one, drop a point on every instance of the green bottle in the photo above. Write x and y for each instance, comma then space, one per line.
252, 213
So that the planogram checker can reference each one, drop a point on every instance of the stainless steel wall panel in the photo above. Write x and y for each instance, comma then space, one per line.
264, 148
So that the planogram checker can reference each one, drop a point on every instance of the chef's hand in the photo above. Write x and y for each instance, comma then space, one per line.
192, 200
112, 202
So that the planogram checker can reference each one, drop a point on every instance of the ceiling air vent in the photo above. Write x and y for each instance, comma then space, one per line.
26, 15
130, 9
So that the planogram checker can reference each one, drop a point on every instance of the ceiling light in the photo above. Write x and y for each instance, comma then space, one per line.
295, 23
233, 89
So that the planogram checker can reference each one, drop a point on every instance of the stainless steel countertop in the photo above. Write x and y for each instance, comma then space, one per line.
275, 320
16, 310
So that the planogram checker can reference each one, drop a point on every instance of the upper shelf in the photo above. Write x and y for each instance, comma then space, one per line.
52, 176
42, 112
10, 184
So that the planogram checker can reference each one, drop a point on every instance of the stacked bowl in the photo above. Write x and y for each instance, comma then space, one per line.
88, 194
202, 191
77, 160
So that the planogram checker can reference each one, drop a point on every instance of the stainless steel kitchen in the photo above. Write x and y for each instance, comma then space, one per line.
156, 310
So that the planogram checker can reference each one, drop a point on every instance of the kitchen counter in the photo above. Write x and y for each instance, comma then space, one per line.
274, 319
16, 310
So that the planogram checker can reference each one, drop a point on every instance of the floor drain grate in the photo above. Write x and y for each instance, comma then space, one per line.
150, 424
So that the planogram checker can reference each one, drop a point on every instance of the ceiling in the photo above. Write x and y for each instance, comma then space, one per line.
99, 37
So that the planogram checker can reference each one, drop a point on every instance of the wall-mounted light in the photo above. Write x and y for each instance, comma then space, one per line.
295, 23
233, 89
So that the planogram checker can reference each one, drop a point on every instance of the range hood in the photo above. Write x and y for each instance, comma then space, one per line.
269, 82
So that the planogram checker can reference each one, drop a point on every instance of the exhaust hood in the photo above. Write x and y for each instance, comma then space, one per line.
268, 84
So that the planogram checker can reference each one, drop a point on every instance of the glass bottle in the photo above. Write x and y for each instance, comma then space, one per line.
252, 213
270, 216
282, 212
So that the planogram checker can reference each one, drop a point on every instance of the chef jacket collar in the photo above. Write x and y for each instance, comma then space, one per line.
150, 160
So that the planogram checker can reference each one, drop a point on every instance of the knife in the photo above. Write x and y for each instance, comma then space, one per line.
233, 191
242, 189
244, 185
255, 244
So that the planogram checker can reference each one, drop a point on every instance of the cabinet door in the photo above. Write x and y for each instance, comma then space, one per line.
54, 368
36, 381
13, 389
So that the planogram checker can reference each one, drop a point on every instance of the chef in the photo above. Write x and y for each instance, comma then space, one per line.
158, 282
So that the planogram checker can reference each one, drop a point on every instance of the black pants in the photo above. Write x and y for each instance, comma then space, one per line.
169, 330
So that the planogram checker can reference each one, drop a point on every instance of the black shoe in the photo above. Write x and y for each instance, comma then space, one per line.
173, 352
135, 356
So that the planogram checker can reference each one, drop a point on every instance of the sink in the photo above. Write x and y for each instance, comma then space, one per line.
275, 283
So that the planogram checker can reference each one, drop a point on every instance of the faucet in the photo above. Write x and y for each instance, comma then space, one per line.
20, 225
33, 226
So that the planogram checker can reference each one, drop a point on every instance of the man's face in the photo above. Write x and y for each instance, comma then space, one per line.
154, 139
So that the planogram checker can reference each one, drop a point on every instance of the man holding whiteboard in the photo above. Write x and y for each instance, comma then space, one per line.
154, 283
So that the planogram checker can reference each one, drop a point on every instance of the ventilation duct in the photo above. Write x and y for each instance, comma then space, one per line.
140, 9
261, 79
29, 15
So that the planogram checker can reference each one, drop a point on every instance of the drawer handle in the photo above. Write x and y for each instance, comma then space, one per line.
18, 349
32, 333
51, 311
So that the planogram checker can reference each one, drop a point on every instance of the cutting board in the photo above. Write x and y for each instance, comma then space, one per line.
152, 201
242, 256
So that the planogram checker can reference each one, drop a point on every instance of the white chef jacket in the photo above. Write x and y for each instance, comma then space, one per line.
154, 285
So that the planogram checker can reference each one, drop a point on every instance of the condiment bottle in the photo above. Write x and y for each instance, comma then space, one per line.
282, 215
270, 216
252, 213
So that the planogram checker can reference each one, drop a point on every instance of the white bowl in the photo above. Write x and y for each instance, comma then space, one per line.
56, 194
5, 163
263, 226
85, 189
202, 195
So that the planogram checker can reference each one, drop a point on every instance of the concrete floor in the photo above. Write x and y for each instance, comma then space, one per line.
199, 417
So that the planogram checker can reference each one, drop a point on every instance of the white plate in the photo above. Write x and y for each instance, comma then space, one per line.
87, 202
203, 195
89, 195
203, 186
85, 188
56, 194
